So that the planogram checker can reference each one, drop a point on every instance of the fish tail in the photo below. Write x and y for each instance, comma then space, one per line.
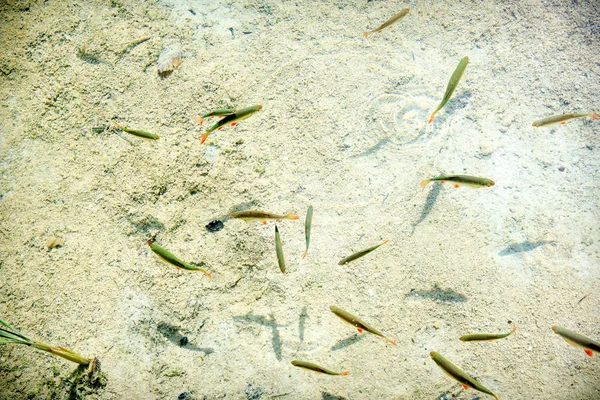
206, 273
367, 34
432, 117
595, 116
424, 183
292, 216
304, 254
345, 373
513, 329
392, 341
203, 138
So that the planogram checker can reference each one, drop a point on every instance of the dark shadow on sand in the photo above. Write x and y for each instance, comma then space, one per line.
269, 323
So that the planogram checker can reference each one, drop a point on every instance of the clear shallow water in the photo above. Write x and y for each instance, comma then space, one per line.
343, 128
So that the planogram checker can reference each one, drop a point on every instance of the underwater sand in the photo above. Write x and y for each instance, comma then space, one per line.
343, 128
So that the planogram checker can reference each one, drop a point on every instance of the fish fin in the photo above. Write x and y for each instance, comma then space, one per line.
345, 373
595, 116
359, 330
465, 387
234, 123
203, 138
389, 27
219, 128
264, 222
424, 183
366, 34
379, 31
588, 352
432, 117
513, 330
292, 216
198, 120
456, 186
442, 182
563, 123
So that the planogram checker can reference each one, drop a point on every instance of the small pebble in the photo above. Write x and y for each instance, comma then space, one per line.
214, 226
183, 341
561, 169
437, 325
169, 59
54, 242
183, 396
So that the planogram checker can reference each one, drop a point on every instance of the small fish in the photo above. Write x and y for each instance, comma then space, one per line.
142, 134
454, 79
577, 340
356, 322
390, 22
460, 180
454, 372
255, 215
232, 119
314, 367
482, 337
360, 253
561, 119
279, 251
223, 112
171, 259
307, 226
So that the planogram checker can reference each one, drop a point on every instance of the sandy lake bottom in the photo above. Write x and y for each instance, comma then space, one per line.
343, 128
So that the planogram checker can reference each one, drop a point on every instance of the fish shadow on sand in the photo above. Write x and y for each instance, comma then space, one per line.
172, 334
428, 206
524, 247
269, 323
374, 149
301, 322
438, 294
329, 396
349, 341
455, 104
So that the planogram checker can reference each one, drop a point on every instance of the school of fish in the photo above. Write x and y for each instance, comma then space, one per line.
232, 116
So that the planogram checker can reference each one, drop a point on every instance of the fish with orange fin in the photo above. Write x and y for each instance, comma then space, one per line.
460, 180
222, 112
317, 368
389, 22
562, 119
483, 337
452, 84
577, 340
231, 119
358, 324
171, 259
263, 216
458, 374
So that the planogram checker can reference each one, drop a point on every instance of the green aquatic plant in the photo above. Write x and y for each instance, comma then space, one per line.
8, 334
